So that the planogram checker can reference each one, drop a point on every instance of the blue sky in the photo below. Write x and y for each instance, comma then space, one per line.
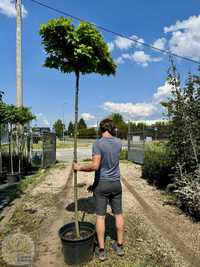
139, 84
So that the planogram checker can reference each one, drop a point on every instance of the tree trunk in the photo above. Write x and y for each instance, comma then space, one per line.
75, 155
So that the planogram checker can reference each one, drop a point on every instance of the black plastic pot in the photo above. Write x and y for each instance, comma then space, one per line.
77, 251
2, 177
12, 178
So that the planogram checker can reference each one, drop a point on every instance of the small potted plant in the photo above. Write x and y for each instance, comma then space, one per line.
81, 50
24, 116
12, 119
2, 122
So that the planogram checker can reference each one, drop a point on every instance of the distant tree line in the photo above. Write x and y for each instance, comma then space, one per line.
158, 130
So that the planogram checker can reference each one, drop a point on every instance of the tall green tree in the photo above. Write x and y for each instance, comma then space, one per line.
70, 130
24, 116
59, 128
183, 111
82, 124
121, 130
79, 49
3, 120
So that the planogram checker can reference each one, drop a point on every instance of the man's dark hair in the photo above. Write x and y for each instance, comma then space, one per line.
107, 125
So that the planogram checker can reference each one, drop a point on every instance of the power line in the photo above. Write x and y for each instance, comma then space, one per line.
163, 51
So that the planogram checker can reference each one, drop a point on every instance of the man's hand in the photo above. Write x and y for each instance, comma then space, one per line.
76, 166
93, 166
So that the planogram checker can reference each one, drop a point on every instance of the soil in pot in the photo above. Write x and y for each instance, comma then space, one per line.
77, 251
71, 235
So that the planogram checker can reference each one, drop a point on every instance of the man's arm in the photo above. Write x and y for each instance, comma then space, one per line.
93, 166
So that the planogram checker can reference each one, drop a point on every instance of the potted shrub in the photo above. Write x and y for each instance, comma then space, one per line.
81, 50
2, 122
12, 119
24, 116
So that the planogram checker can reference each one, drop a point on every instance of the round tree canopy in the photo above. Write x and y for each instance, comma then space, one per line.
76, 48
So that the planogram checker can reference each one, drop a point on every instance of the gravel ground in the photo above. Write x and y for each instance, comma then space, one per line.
156, 235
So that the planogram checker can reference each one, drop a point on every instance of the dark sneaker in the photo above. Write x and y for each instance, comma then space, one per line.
119, 250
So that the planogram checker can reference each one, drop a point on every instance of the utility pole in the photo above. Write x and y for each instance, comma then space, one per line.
19, 72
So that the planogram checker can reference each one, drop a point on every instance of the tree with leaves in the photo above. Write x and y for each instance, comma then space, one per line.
79, 49
3, 120
59, 128
82, 124
121, 130
24, 116
70, 130
183, 110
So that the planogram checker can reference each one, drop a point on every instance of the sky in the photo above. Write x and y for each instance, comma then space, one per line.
140, 81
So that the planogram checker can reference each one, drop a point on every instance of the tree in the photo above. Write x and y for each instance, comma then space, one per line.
80, 49
59, 127
82, 124
70, 129
24, 116
12, 119
17, 116
121, 126
2, 121
183, 111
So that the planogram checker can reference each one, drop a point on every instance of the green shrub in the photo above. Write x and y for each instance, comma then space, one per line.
188, 193
124, 154
158, 163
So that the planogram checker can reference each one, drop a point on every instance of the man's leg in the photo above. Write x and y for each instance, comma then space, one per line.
119, 222
100, 228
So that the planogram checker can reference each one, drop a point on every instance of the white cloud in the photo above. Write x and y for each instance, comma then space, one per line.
185, 37
119, 60
133, 110
160, 43
7, 7
142, 110
41, 120
111, 46
123, 43
139, 57
87, 116
163, 92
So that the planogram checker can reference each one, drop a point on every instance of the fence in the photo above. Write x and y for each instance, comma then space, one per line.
38, 150
137, 139
43, 152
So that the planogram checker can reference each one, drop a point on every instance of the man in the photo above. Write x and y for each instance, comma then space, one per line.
107, 186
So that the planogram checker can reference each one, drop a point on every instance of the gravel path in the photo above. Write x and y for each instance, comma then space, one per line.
150, 225
156, 235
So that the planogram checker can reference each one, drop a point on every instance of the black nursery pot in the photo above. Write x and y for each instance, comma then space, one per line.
12, 178
77, 251
2, 177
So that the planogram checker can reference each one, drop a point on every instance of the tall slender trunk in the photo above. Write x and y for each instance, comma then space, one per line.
75, 154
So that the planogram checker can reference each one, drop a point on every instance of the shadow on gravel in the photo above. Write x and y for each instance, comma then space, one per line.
84, 204
87, 205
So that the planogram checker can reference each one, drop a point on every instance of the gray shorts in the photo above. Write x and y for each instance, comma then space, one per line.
108, 192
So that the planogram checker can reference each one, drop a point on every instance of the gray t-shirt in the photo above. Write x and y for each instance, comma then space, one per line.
109, 148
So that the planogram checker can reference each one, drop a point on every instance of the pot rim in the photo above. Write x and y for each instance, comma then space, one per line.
71, 225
